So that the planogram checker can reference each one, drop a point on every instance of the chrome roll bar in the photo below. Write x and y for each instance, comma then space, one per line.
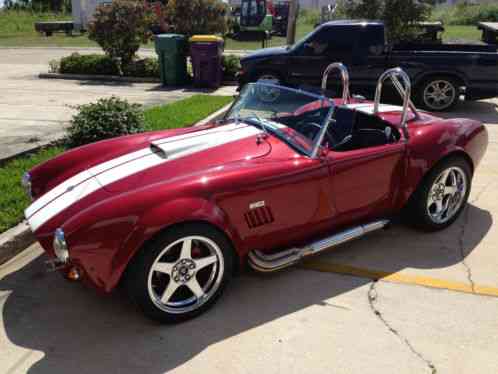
344, 76
404, 92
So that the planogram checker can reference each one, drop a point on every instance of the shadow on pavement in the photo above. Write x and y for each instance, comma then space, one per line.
484, 111
81, 331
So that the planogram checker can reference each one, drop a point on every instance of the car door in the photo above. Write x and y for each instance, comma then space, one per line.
308, 60
365, 182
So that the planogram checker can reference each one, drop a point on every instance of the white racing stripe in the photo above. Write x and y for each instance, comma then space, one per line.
369, 108
84, 183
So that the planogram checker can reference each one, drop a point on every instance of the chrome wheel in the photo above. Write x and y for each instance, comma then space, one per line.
269, 77
439, 94
447, 194
185, 274
268, 94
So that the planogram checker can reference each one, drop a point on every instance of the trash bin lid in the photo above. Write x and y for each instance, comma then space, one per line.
206, 38
170, 42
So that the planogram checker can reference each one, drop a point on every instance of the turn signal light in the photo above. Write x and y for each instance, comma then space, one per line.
73, 274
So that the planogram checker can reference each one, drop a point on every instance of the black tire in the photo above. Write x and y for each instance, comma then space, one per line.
423, 92
418, 211
138, 273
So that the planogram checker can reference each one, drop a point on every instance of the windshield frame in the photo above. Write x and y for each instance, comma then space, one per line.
316, 144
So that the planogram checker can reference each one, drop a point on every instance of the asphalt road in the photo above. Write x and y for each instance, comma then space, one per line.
34, 111
434, 309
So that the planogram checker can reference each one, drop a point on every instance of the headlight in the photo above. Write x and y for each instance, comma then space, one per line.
60, 246
26, 183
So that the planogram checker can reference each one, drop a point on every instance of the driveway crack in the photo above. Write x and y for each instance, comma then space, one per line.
461, 247
372, 299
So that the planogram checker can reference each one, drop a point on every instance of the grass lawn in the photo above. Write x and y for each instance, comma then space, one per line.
17, 30
461, 33
183, 112
13, 199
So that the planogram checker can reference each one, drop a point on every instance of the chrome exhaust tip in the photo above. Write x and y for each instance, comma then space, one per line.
266, 263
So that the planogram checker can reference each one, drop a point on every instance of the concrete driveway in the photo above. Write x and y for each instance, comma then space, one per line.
433, 310
34, 110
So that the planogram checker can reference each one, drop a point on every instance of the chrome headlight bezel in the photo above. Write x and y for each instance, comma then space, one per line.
60, 246
26, 183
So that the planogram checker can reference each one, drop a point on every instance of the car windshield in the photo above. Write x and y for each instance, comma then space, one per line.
294, 116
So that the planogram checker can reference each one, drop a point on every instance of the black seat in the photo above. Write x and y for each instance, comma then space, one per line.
345, 120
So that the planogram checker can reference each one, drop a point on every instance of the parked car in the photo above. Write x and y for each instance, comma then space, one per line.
172, 215
440, 73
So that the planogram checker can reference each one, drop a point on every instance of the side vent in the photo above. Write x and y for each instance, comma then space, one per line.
258, 217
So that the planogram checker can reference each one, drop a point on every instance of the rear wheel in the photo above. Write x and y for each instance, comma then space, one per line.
442, 196
181, 273
438, 93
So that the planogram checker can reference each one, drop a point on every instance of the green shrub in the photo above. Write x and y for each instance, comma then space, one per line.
107, 118
396, 14
191, 17
231, 66
120, 27
88, 64
147, 67
96, 64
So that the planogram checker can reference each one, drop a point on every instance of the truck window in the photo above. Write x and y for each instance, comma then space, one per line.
333, 40
371, 41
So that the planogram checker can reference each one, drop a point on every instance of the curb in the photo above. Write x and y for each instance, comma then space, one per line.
105, 78
54, 139
214, 116
112, 78
14, 241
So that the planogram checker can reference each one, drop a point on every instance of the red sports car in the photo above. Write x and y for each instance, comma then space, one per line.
287, 173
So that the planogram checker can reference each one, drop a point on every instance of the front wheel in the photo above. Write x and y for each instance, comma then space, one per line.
442, 196
181, 273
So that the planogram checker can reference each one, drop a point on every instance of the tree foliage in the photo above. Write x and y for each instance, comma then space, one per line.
399, 16
191, 17
120, 27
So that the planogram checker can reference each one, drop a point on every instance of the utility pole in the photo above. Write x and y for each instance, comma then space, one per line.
291, 22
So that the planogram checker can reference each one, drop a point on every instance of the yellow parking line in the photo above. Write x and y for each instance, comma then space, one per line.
330, 267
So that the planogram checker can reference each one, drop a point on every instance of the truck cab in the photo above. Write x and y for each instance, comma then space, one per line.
441, 73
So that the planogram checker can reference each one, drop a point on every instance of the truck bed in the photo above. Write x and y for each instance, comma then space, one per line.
446, 47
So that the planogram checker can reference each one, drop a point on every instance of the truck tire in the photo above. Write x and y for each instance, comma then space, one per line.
438, 93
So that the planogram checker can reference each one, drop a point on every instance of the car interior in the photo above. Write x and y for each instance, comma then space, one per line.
349, 130
354, 129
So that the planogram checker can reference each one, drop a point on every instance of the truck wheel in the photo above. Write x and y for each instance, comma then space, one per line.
442, 196
269, 76
438, 93
181, 273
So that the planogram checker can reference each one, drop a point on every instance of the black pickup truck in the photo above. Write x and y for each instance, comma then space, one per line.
440, 73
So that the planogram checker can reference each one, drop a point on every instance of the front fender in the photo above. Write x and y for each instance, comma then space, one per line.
159, 218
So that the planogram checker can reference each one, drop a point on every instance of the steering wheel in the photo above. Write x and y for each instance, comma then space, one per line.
311, 130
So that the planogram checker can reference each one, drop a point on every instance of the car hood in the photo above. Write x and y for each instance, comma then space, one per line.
266, 52
182, 156
156, 160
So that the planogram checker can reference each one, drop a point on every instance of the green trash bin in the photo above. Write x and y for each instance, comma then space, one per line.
172, 53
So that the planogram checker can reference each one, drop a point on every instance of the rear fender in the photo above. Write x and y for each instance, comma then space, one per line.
431, 144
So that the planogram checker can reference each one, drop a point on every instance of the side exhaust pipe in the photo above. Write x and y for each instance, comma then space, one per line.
272, 262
